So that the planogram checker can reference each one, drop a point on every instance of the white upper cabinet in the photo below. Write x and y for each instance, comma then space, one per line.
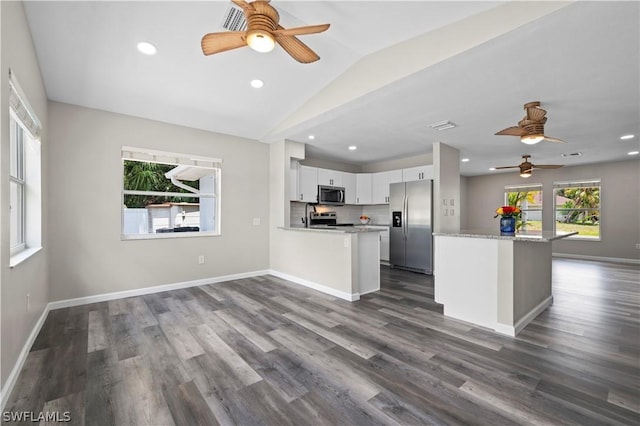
349, 183
294, 195
417, 173
329, 177
364, 188
381, 182
307, 184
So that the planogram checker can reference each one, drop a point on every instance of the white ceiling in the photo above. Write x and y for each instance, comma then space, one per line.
387, 71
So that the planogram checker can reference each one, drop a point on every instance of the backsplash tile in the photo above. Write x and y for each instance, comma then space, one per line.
379, 214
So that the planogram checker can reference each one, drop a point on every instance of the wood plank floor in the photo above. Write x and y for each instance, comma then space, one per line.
265, 351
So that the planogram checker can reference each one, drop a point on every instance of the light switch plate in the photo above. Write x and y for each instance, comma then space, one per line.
256, 221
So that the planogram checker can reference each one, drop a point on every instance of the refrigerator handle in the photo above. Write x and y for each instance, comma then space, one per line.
406, 218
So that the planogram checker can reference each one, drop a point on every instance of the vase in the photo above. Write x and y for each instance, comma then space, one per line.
508, 225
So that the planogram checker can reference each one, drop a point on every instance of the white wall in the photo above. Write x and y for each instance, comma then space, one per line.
85, 171
620, 205
18, 54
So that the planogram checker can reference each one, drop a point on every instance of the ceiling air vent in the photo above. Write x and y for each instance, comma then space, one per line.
442, 125
234, 20
573, 154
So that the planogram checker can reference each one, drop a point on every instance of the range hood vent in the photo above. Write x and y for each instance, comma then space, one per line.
234, 19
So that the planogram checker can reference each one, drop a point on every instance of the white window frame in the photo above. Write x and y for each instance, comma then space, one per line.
24, 134
585, 183
525, 188
172, 158
17, 178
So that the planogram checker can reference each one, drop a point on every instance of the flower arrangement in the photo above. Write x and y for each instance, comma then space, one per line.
507, 211
364, 219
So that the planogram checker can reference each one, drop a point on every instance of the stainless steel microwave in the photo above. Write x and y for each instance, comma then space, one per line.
330, 195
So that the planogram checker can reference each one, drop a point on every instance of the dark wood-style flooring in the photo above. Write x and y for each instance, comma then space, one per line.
265, 351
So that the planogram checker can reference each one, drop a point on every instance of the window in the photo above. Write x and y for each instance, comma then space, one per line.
25, 215
529, 199
168, 195
577, 208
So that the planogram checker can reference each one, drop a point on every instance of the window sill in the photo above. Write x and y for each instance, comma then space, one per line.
168, 235
18, 258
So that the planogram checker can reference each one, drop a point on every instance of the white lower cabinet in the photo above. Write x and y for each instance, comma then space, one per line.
384, 246
384, 242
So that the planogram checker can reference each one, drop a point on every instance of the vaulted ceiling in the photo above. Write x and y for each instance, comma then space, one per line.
387, 71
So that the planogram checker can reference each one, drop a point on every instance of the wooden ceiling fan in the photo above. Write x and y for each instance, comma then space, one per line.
526, 167
531, 127
263, 32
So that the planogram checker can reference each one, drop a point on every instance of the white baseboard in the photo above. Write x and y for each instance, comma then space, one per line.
599, 258
17, 368
58, 304
512, 331
351, 297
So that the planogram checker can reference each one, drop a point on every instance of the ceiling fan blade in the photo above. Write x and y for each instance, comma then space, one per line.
512, 131
507, 167
297, 49
221, 42
547, 166
535, 113
244, 5
310, 29
550, 139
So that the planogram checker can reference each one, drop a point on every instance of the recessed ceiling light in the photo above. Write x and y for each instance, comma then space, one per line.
312, 137
147, 48
625, 137
256, 84
633, 153
353, 148
492, 168
465, 160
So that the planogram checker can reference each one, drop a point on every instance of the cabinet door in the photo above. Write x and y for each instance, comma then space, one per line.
308, 184
364, 193
294, 194
349, 183
381, 182
384, 246
329, 177
417, 173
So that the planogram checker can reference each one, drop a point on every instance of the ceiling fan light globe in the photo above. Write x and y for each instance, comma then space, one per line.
526, 174
260, 41
531, 139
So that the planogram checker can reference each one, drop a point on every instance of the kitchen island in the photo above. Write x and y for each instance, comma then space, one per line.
495, 281
341, 261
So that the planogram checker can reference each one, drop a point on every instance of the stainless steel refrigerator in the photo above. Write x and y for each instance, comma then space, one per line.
411, 210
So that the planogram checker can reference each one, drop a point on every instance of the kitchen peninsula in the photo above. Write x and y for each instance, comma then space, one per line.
495, 281
343, 261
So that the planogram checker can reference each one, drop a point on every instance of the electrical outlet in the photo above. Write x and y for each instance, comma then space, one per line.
28, 301
637, 246
256, 221
201, 260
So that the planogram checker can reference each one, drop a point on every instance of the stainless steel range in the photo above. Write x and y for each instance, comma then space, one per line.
325, 219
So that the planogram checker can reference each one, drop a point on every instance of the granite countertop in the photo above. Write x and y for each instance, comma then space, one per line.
332, 229
536, 236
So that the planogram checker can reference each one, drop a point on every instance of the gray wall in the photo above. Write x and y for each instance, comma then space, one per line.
85, 206
620, 205
17, 53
